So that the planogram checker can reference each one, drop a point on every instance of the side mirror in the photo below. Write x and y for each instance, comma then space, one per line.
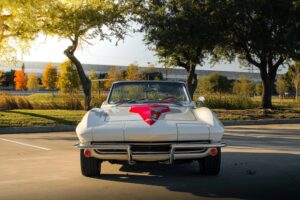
201, 99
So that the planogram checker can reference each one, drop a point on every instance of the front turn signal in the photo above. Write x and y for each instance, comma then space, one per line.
213, 151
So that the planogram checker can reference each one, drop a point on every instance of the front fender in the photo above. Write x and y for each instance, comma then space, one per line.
92, 118
216, 128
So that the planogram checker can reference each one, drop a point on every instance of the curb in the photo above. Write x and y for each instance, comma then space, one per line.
260, 122
47, 129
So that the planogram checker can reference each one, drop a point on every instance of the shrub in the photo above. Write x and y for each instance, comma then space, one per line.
229, 102
244, 87
46, 101
67, 102
72, 102
258, 89
23, 103
7, 102
97, 101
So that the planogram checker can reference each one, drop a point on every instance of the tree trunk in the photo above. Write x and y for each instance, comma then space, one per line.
267, 94
192, 81
268, 71
85, 82
268, 81
296, 95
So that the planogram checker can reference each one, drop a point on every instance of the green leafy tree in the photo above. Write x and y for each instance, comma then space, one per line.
243, 87
292, 78
205, 87
151, 73
9, 78
113, 74
133, 72
80, 21
258, 89
95, 84
49, 77
219, 83
264, 34
69, 82
214, 83
2, 77
179, 31
33, 82
295, 77
236, 87
17, 27
281, 86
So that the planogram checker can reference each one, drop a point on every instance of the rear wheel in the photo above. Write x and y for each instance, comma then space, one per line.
210, 165
90, 167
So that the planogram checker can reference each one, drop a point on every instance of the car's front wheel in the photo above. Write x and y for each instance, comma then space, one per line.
90, 167
211, 165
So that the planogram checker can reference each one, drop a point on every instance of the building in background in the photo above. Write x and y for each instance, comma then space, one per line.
168, 73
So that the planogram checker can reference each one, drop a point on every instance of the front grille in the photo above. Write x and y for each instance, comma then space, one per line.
189, 150
111, 151
147, 148
152, 143
150, 149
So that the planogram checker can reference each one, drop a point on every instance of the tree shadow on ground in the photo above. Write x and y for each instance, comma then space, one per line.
55, 119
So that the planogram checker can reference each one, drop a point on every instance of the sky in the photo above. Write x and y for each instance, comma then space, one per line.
131, 49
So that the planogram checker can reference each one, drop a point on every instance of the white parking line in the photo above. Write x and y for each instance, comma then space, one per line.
29, 145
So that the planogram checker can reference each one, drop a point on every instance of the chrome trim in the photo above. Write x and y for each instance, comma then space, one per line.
212, 145
132, 156
125, 146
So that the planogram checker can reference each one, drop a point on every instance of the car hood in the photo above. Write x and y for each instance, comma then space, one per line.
175, 123
175, 113
127, 123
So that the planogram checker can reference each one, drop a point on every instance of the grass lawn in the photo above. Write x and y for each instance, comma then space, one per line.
28, 118
257, 114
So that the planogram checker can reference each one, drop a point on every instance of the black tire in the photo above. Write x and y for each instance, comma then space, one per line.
90, 167
210, 165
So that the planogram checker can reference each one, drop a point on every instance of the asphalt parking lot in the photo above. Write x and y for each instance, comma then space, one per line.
260, 162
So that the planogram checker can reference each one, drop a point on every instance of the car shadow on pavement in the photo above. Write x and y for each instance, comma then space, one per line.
243, 175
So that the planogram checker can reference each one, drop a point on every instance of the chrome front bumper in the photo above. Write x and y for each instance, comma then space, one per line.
176, 151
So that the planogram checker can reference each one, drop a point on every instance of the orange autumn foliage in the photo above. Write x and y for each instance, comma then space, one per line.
20, 80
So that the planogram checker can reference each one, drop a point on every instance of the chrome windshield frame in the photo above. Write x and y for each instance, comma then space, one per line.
189, 100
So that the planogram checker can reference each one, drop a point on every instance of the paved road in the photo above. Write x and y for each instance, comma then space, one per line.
260, 162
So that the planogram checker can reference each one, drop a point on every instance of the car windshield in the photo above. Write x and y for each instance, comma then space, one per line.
148, 92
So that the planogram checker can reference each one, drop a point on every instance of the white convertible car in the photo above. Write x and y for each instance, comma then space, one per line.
149, 121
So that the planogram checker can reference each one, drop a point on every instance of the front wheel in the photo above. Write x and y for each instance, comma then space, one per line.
210, 165
90, 167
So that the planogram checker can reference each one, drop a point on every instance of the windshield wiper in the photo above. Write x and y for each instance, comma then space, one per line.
175, 103
126, 101
171, 101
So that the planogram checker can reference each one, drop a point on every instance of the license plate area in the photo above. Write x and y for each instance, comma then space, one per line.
150, 149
